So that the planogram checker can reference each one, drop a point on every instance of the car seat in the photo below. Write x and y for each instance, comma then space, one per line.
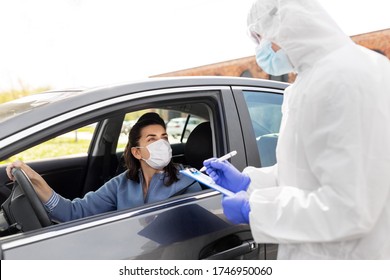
199, 145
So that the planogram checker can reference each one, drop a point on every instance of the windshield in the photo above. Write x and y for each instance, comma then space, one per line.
22, 105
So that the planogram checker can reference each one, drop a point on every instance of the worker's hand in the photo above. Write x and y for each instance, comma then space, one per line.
226, 175
236, 208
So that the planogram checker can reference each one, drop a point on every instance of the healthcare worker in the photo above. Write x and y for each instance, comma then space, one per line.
328, 196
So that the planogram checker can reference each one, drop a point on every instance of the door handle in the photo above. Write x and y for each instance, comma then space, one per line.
242, 249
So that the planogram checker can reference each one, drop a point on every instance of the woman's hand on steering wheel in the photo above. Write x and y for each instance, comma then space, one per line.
43, 190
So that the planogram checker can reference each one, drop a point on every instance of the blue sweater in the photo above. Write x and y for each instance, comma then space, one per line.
117, 194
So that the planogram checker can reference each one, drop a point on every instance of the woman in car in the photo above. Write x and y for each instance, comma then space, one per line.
150, 176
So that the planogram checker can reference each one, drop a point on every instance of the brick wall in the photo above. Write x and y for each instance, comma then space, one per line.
247, 66
379, 40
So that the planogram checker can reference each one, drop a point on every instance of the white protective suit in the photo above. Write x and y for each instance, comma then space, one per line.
328, 197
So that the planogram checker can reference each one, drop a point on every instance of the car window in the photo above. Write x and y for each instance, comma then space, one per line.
69, 144
177, 129
265, 113
131, 118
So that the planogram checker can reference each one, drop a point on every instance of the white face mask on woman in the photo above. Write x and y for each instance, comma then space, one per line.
160, 154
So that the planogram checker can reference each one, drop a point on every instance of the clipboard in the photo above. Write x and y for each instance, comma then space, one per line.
205, 180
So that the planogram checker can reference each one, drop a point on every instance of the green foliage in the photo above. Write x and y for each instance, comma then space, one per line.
15, 94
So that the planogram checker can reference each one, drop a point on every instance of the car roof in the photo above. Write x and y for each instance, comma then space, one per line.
21, 113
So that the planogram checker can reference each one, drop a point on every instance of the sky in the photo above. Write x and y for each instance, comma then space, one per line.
77, 43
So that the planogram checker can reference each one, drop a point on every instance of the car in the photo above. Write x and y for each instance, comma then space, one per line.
178, 127
73, 139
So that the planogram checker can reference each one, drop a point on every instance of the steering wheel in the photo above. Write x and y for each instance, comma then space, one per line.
25, 184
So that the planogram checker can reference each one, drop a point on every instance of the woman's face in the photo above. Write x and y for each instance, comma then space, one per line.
149, 134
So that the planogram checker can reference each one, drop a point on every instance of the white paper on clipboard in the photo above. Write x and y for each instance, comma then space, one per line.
206, 180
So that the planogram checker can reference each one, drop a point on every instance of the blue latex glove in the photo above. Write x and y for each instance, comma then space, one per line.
226, 175
236, 208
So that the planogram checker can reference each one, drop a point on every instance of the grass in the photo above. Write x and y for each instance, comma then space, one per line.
62, 146
57, 147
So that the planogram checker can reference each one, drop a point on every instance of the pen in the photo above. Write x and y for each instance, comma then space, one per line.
225, 157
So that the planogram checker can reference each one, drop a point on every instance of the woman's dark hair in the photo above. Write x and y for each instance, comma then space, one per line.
133, 165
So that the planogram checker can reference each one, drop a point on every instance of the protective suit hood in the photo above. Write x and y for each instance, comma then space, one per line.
301, 27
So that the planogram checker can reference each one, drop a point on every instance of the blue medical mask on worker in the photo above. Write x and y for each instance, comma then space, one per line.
273, 63
160, 153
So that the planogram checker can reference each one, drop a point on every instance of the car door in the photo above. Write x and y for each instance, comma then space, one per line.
182, 228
